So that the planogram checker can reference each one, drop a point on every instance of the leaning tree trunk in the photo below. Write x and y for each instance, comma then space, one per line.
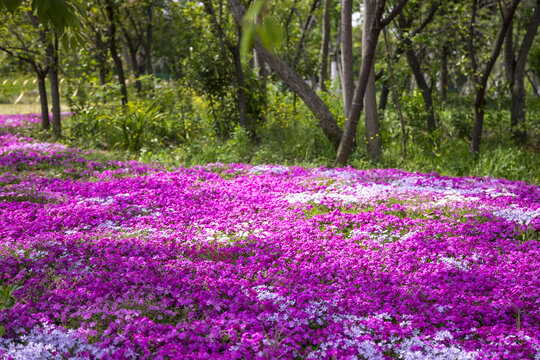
55, 90
314, 103
42, 88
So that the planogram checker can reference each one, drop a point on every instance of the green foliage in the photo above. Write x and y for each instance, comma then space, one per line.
499, 157
61, 13
267, 30
7, 300
7, 297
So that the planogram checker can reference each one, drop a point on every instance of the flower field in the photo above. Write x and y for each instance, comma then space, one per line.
122, 260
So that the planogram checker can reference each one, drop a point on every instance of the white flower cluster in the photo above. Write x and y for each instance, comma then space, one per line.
432, 349
517, 214
48, 343
459, 264
271, 169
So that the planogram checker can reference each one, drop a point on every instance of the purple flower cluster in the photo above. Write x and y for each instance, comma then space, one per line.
23, 120
129, 261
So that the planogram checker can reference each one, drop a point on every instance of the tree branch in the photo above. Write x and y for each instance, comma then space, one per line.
395, 11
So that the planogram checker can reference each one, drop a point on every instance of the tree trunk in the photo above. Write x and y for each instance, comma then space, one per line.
515, 73
55, 91
479, 108
325, 45
371, 118
481, 81
134, 62
148, 43
101, 58
114, 52
444, 72
533, 83
319, 109
42, 88
373, 24
369, 44
240, 86
383, 97
314, 103
347, 79
420, 79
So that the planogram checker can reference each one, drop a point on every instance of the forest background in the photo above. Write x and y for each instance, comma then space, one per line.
445, 86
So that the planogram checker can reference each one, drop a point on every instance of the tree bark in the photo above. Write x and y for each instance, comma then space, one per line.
371, 118
240, 85
319, 109
444, 72
42, 88
369, 44
347, 78
133, 59
323, 77
383, 96
109, 6
149, 40
515, 73
419, 77
314, 103
55, 91
374, 23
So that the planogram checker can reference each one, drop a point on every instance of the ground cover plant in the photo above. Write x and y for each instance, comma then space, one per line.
123, 260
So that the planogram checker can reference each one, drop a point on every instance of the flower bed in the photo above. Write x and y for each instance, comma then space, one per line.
124, 260
23, 120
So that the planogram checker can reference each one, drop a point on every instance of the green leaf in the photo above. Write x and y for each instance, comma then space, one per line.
253, 12
42, 7
57, 13
2, 330
272, 30
248, 38
11, 5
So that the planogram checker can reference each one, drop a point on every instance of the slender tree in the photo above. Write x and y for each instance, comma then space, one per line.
374, 23
52, 54
405, 24
480, 74
110, 10
23, 38
325, 44
515, 59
